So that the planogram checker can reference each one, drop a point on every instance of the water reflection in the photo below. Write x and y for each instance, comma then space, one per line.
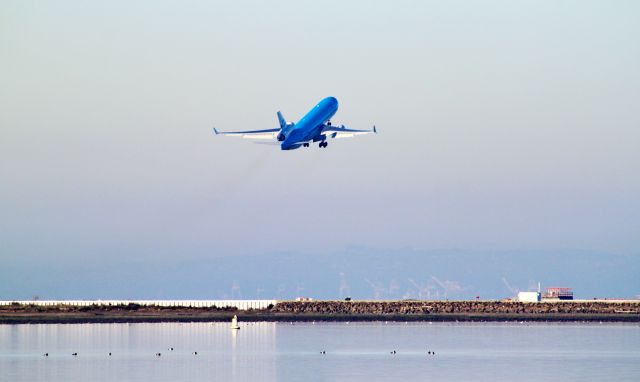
246, 354
285, 352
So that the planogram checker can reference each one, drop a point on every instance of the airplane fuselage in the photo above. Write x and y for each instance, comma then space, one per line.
310, 127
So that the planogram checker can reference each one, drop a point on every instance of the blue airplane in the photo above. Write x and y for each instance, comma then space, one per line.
313, 127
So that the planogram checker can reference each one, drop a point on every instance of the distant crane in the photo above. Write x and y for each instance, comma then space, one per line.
448, 286
441, 285
423, 291
378, 291
514, 291
394, 287
235, 290
345, 291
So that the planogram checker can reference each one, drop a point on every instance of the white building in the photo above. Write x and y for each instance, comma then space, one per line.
528, 297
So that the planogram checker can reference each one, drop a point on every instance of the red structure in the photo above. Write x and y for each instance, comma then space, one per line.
558, 293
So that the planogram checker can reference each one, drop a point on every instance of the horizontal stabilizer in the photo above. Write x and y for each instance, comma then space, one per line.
265, 134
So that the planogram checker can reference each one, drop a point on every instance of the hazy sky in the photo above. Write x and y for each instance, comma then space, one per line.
502, 125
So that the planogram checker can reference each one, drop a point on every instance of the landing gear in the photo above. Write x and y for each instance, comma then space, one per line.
323, 144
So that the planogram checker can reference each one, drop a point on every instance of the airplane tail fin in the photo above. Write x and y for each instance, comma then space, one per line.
283, 122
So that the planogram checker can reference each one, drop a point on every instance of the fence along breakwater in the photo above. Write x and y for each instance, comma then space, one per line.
238, 304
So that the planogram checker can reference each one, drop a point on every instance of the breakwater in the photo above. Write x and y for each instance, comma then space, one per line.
619, 311
426, 308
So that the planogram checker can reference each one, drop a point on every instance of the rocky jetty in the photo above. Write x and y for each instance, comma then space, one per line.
404, 310
483, 308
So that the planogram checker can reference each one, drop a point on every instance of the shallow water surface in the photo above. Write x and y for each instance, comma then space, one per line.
291, 352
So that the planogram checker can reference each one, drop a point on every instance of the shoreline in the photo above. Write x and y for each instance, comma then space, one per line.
119, 319
331, 311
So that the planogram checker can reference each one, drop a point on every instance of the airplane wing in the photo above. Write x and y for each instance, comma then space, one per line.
344, 132
267, 134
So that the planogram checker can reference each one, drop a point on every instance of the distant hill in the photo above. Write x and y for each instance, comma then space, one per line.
359, 272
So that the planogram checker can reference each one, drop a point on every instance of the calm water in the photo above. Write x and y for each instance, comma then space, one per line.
354, 352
